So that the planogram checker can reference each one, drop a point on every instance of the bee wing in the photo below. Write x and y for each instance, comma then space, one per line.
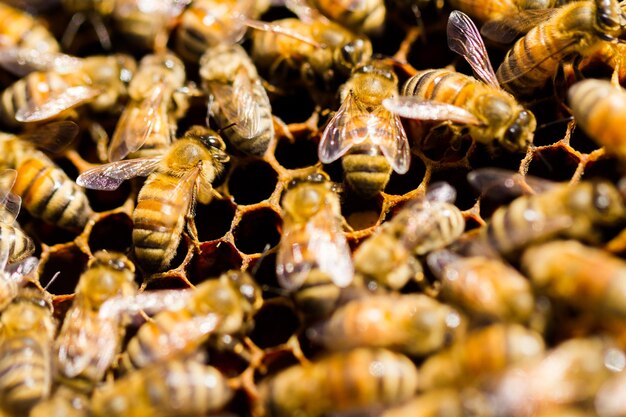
149, 302
9, 203
137, 122
185, 332
56, 103
465, 40
22, 61
347, 127
238, 104
386, 130
280, 30
164, 9
501, 182
441, 191
412, 107
291, 265
508, 28
54, 136
110, 176
304, 10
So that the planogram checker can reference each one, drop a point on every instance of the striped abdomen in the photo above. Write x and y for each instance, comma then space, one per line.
15, 242
366, 169
24, 31
444, 86
159, 218
25, 373
357, 379
49, 194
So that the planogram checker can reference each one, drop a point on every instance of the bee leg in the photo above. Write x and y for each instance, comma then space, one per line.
346, 226
101, 31
72, 29
100, 137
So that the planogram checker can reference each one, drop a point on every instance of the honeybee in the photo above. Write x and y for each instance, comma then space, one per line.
182, 174
422, 225
319, 55
608, 399
568, 210
230, 78
588, 278
21, 30
173, 388
87, 343
486, 287
445, 402
598, 107
146, 123
494, 10
413, 324
46, 191
482, 353
574, 29
491, 114
370, 139
64, 402
360, 16
343, 381
217, 306
26, 335
99, 80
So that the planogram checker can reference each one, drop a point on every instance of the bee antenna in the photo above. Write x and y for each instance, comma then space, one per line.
54, 277
555, 122
254, 270
275, 290
209, 112
220, 130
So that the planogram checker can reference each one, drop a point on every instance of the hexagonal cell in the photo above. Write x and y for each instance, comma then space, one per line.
274, 324
402, 184
298, 154
430, 54
505, 160
551, 124
252, 181
108, 200
359, 213
554, 163
214, 259
256, 230
214, 220
47, 233
113, 232
263, 269
293, 108
71, 263
606, 167
581, 142
465, 197
222, 353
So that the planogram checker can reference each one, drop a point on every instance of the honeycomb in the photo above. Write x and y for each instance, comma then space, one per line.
242, 228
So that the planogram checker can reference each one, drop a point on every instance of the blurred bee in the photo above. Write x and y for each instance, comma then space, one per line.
608, 399
360, 16
413, 324
574, 29
169, 389
490, 114
26, 334
146, 125
96, 12
182, 174
87, 343
483, 353
339, 382
598, 107
445, 402
424, 224
100, 81
370, 139
21, 30
319, 55
238, 98
487, 11
575, 211
314, 258
222, 306
587, 278
484, 286
64, 402
46, 191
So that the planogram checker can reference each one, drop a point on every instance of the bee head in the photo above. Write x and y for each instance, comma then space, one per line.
519, 134
352, 53
247, 287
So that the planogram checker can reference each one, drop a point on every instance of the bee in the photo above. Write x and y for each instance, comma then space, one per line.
413, 324
217, 306
87, 343
597, 106
482, 353
26, 335
93, 11
42, 95
314, 258
578, 28
370, 139
607, 401
574, 211
360, 16
498, 9
489, 113
445, 402
231, 80
585, 277
169, 389
64, 402
146, 124
319, 55
176, 178
422, 225
485, 286
21, 30
344, 381
45, 189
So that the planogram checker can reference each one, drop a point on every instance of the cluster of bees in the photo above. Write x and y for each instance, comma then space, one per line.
371, 292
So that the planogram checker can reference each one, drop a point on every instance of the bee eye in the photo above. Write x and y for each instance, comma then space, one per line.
346, 52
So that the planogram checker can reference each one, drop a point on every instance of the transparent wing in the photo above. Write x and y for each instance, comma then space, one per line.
110, 176
386, 130
149, 302
292, 263
491, 181
54, 136
465, 40
22, 61
349, 126
441, 191
9, 203
304, 10
138, 121
508, 28
55, 104
414, 108
280, 30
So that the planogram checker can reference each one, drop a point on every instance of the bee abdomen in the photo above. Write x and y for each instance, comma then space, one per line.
49, 194
441, 85
446, 227
24, 374
15, 242
366, 174
258, 144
